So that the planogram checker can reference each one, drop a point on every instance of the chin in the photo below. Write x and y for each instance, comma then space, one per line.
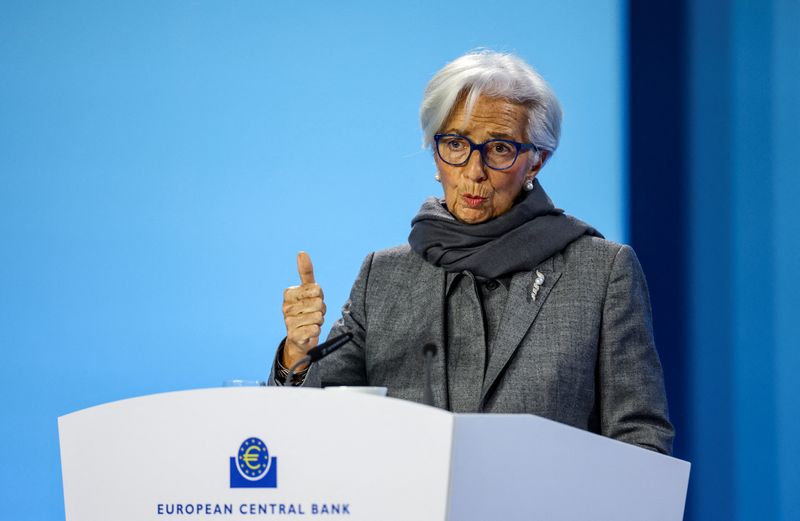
470, 216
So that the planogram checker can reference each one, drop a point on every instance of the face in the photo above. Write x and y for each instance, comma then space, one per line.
474, 192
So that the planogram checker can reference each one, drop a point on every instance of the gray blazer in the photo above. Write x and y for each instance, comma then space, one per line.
580, 353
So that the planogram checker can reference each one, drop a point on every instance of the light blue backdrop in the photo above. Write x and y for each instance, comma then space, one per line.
162, 162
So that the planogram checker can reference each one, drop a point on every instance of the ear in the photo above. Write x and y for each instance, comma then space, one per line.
538, 164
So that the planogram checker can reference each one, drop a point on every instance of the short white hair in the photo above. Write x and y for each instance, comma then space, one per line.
498, 75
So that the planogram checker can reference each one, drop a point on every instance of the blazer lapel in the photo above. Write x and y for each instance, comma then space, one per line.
428, 297
518, 316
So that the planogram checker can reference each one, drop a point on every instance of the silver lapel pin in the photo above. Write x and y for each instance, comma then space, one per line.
537, 284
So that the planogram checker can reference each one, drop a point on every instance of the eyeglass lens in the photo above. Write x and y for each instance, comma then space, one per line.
497, 154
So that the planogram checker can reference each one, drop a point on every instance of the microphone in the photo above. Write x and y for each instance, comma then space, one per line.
319, 352
430, 352
326, 348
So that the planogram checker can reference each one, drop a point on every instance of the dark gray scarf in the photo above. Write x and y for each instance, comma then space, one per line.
518, 240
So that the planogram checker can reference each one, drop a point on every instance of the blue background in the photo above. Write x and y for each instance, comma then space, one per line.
161, 163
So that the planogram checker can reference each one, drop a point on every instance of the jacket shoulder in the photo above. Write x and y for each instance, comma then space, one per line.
588, 247
397, 263
402, 255
599, 256
395, 252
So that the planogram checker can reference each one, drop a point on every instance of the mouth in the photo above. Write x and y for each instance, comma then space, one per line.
473, 201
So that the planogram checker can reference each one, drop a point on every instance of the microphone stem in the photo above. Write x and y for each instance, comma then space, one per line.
428, 378
290, 376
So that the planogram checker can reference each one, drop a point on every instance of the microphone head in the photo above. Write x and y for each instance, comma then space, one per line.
326, 348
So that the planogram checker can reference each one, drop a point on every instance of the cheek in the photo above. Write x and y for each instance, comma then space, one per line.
507, 188
447, 178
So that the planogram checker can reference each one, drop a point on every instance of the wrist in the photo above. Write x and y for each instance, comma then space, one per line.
282, 371
291, 354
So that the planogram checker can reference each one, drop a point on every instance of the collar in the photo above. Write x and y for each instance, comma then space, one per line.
452, 277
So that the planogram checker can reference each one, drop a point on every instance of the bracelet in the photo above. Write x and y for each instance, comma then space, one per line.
281, 372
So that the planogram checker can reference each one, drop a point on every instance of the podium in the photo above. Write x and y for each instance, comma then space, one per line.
294, 453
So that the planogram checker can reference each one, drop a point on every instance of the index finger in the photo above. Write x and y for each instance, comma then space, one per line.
304, 268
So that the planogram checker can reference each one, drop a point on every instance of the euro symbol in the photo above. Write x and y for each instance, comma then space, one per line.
250, 457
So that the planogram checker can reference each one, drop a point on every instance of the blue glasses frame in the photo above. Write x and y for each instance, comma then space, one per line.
481, 146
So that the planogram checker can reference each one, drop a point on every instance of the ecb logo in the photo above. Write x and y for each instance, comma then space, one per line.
252, 467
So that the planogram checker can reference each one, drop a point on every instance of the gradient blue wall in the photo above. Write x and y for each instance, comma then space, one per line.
745, 251
162, 162
725, 263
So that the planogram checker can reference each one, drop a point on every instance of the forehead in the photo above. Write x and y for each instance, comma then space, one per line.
489, 117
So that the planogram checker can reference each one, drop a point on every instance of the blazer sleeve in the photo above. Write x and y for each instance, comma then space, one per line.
345, 366
632, 399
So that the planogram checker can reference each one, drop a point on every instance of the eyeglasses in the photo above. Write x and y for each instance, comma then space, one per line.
497, 154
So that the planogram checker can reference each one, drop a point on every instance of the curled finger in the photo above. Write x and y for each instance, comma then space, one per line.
309, 305
301, 335
306, 319
298, 293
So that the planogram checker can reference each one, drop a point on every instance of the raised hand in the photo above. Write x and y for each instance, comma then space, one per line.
303, 312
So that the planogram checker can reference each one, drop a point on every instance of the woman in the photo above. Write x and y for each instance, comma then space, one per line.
531, 310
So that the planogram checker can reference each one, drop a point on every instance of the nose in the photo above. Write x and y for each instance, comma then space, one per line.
475, 170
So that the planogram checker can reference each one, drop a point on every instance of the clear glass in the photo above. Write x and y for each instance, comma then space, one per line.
365, 389
243, 383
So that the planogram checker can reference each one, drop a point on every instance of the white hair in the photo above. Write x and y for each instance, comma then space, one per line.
498, 75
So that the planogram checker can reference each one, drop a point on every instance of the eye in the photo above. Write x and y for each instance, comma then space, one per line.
501, 148
455, 144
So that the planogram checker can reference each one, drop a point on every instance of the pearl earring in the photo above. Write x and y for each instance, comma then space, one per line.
528, 186
438, 177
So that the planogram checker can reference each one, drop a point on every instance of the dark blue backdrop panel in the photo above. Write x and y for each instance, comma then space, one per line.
714, 215
657, 182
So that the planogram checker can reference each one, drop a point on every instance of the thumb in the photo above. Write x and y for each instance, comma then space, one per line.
304, 268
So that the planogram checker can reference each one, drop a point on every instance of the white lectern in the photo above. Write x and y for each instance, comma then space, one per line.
264, 453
